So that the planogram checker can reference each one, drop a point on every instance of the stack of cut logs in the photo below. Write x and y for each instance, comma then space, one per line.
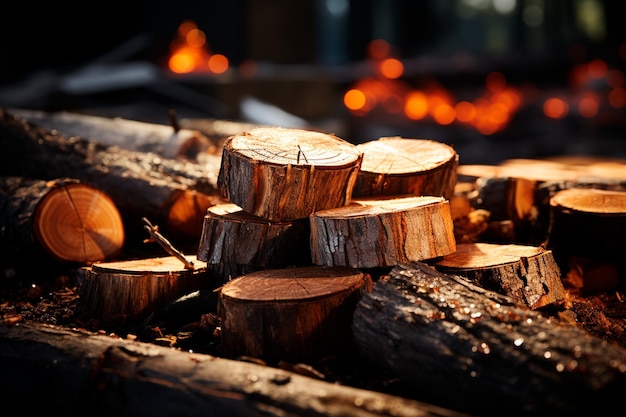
437, 273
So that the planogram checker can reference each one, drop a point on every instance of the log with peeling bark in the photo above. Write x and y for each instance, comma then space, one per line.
168, 141
292, 314
373, 232
235, 243
473, 349
50, 370
283, 174
134, 289
62, 220
527, 274
173, 194
399, 166
519, 190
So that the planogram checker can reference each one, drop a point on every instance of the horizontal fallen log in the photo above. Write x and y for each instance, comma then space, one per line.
53, 370
170, 193
460, 345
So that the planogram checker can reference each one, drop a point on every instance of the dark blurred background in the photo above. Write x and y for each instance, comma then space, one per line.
496, 79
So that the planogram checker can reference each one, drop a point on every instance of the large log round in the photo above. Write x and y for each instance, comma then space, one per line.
382, 232
285, 174
398, 166
290, 314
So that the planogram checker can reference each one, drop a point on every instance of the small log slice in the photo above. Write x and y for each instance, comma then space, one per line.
70, 220
290, 314
234, 242
286, 174
381, 232
528, 274
131, 290
398, 166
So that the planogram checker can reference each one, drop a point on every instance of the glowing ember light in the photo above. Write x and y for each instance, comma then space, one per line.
378, 49
465, 111
588, 105
190, 52
617, 97
391, 68
444, 114
597, 68
218, 63
354, 99
495, 82
555, 108
416, 105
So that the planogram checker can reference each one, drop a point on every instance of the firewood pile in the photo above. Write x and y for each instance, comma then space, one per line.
258, 270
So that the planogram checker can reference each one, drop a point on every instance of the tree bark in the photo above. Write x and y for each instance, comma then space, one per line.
169, 193
167, 141
50, 370
133, 289
455, 342
62, 220
235, 243
399, 166
292, 314
527, 274
382, 232
287, 174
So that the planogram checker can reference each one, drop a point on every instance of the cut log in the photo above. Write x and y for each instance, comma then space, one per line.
131, 290
399, 166
287, 174
78, 373
528, 274
172, 194
235, 243
69, 220
163, 140
476, 350
381, 232
291, 314
588, 222
519, 190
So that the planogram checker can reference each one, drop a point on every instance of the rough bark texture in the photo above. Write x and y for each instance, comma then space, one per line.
136, 288
480, 351
235, 243
167, 141
49, 370
287, 174
398, 166
381, 232
292, 314
171, 194
528, 274
61, 219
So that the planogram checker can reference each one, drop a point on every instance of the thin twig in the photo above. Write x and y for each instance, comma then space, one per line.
173, 120
156, 236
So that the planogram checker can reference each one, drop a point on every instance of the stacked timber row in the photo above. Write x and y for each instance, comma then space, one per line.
572, 206
291, 193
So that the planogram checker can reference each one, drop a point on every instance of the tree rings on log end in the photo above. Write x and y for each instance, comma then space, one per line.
77, 222
398, 166
528, 274
285, 174
382, 232
135, 288
234, 242
291, 313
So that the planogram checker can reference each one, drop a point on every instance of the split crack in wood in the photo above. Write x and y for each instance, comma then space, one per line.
156, 236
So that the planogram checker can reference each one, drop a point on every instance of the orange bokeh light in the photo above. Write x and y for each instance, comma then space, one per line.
555, 108
588, 106
391, 68
218, 64
416, 105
